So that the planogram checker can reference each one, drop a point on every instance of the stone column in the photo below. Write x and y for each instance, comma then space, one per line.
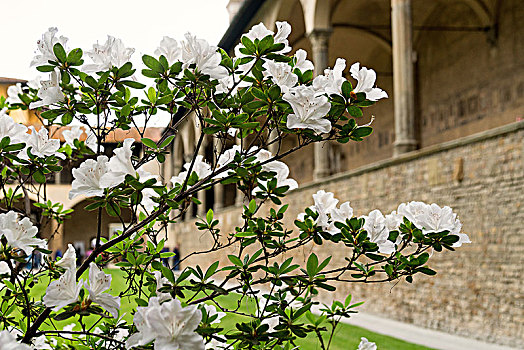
57, 242
320, 46
403, 84
273, 148
218, 188
201, 195
239, 196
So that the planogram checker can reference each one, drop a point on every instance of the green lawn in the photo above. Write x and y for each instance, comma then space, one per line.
347, 337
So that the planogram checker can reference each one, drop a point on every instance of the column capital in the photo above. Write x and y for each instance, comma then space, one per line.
320, 36
404, 146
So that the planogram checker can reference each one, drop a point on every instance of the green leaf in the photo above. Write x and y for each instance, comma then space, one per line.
346, 89
427, 271
59, 52
74, 58
362, 131
167, 141
235, 260
149, 143
45, 69
312, 264
209, 216
152, 63
39, 177
211, 270
133, 84
355, 111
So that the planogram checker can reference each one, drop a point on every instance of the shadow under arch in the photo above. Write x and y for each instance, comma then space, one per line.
82, 227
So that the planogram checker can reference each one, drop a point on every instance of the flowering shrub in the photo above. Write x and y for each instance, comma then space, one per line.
255, 100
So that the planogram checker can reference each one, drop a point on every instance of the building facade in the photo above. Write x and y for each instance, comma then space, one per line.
451, 132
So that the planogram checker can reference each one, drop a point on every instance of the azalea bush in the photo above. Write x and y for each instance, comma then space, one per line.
245, 105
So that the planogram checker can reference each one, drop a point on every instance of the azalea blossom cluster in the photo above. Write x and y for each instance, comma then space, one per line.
202, 169
19, 233
254, 100
66, 290
429, 218
92, 177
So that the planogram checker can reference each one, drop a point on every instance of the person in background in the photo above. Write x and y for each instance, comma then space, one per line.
37, 259
91, 248
165, 261
176, 257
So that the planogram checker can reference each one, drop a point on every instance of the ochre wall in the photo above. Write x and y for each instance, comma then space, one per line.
477, 291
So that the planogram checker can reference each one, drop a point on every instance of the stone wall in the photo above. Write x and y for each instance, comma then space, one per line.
478, 289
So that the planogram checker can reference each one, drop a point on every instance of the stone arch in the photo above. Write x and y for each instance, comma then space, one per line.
479, 16
362, 33
81, 228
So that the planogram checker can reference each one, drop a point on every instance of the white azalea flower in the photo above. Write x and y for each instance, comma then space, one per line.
8, 342
63, 291
170, 49
215, 345
393, 221
225, 158
283, 31
8, 127
281, 74
375, 226
119, 165
225, 84
121, 334
111, 54
200, 167
12, 94
36, 83
344, 212
40, 343
366, 82
87, 177
20, 233
332, 80
4, 268
206, 57
301, 63
45, 47
72, 134
169, 325
259, 31
211, 310
432, 218
91, 142
366, 345
41, 145
68, 260
50, 91
309, 110
69, 327
282, 173
99, 282
325, 203
160, 283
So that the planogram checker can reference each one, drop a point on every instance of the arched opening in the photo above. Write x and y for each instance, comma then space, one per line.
456, 68
361, 33
82, 227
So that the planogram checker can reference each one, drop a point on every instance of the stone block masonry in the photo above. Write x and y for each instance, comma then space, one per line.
478, 291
